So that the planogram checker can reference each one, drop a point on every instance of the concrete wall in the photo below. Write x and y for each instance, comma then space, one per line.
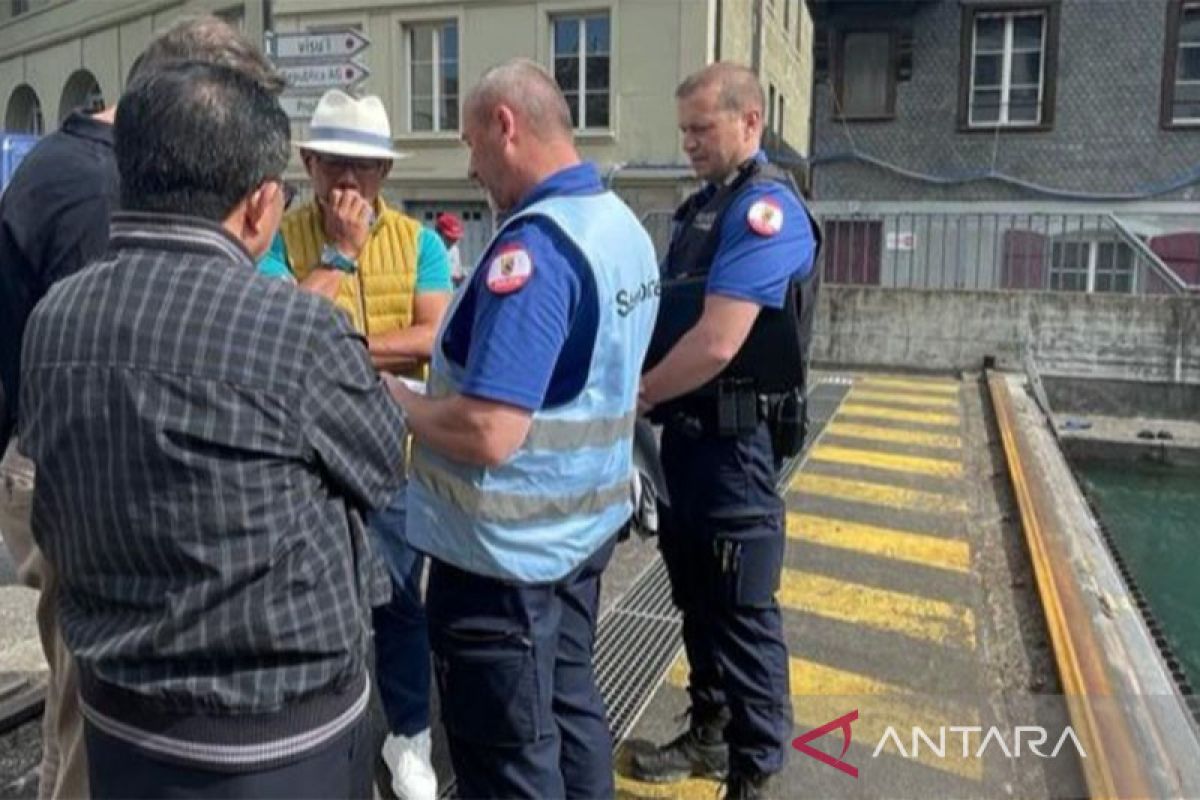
1106, 135
1122, 398
1109, 336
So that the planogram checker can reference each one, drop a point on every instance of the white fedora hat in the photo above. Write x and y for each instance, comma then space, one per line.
344, 126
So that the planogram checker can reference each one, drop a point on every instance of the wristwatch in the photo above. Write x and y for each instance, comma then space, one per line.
335, 259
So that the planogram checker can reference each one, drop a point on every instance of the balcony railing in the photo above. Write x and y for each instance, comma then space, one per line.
1035, 251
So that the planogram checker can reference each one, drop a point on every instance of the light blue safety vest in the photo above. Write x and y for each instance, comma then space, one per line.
566, 490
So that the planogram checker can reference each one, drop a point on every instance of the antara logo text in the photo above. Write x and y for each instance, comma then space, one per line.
942, 742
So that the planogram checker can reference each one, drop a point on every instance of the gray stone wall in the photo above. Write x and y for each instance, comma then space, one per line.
1106, 136
1068, 333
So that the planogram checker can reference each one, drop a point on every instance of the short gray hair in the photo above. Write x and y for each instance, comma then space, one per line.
738, 86
529, 89
210, 40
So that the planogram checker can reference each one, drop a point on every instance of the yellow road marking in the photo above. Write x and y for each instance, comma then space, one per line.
911, 384
897, 414
918, 617
821, 693
898, 435
690, 789
896, 398
918, 465
916, 548
877, 494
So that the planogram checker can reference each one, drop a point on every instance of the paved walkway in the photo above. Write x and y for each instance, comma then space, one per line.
883, 605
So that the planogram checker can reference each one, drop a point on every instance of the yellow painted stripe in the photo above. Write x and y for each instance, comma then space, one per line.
915, 548
917, 617
905, 399
910, 384
916, 465
897, 414
690, 789
877, 494
821, 693
879, 433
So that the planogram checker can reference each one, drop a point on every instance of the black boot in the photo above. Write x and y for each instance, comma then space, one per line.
747, 786
699, 752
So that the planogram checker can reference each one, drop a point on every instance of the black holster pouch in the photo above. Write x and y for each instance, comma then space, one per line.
787, 419
737, 407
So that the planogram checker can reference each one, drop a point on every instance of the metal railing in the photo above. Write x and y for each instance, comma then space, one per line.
1034, 251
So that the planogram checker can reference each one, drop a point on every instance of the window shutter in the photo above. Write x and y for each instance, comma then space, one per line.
1023, 265
1180, 252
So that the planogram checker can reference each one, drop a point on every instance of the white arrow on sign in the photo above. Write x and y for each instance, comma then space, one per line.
299, 106
324, 76
316, 46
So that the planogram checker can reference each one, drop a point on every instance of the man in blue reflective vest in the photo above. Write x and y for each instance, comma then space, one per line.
734, 355
522, 456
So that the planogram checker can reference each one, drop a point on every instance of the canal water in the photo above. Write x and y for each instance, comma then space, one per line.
1152, 513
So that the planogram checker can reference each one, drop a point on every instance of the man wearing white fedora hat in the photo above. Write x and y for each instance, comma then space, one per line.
391, 275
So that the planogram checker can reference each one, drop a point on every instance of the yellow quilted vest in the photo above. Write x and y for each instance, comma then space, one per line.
379, 296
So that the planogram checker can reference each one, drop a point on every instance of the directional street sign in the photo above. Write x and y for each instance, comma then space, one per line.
324, 76
299, 106
316, 46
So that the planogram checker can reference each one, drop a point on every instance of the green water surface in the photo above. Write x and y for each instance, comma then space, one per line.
1152, 513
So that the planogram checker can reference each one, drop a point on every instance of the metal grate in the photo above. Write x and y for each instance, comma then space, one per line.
635, 645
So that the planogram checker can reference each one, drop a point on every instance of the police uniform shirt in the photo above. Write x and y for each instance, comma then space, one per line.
526, 339
766, 242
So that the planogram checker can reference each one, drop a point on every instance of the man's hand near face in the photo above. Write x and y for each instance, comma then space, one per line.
346, 218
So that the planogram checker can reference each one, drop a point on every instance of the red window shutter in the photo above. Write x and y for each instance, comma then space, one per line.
1180, 252
1024, 260
853, 251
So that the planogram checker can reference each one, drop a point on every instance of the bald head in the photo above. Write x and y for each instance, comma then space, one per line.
530, 91
738, 89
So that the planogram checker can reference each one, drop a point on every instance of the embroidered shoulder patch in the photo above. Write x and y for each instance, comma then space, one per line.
765, 217
509, 270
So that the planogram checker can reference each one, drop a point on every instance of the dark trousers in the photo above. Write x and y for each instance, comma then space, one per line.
338, 770
723, 543
523, 715
402, 659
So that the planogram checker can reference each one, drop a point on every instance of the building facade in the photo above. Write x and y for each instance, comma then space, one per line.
997, 140
618, 61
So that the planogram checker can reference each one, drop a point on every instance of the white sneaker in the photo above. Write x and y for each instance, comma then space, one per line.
408, 759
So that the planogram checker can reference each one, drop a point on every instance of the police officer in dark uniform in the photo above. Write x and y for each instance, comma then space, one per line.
725, 377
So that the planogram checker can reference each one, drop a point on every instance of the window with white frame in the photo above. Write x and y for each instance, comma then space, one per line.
1008, 57
1183, 89
433, 90
1091, 266
581, 53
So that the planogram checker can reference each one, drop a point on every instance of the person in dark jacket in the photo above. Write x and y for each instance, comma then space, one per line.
54, 220
207, 440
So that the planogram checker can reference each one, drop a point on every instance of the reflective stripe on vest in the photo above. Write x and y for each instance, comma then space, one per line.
387, 267
502, 507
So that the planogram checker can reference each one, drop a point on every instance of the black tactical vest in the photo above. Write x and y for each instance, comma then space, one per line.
775, 354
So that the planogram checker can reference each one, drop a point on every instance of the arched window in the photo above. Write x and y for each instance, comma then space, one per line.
81, 92
24, 112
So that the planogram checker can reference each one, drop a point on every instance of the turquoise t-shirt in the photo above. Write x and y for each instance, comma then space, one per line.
433, 264
274, 263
